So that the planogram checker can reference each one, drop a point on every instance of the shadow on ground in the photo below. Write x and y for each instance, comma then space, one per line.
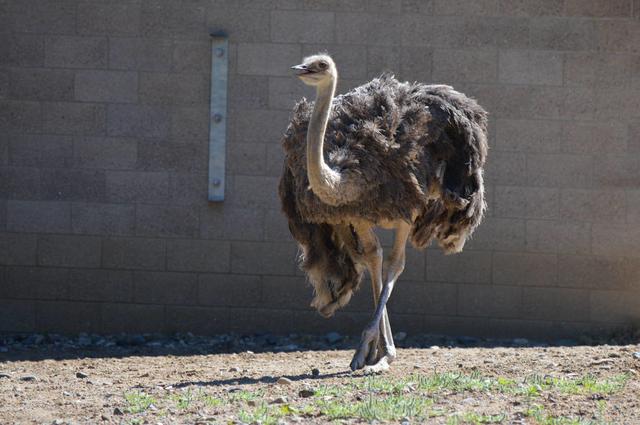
36, 347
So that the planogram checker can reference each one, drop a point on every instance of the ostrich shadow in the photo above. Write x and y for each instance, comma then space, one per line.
267, 379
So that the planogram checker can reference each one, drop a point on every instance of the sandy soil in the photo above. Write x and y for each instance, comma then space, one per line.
43, 385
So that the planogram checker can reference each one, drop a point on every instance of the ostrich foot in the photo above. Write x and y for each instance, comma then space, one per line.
380, 366
366, 352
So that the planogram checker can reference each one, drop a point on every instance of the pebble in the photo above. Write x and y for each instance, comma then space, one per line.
81, 375
117, 411
601, 361
284, 381
234, 369
28, 378
636, 355
400, 336
288, 347
333, 337
104, 417
434, 347
4, 375
35, 339
84, 341
315, 372
307, 392
279, 400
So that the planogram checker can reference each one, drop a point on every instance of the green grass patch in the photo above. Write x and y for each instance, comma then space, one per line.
245, 396
383, 398
475, 418
211, 401
184, 399
382, 408
541, 417
138, 402
587, 384
269, 414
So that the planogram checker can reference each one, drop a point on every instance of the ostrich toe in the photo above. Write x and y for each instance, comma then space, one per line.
367, 349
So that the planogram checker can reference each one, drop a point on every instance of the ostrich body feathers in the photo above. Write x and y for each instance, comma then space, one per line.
416, 152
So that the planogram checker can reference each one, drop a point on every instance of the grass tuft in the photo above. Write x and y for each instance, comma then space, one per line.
138, 402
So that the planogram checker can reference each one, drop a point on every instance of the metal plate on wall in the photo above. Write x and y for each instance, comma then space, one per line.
218, 115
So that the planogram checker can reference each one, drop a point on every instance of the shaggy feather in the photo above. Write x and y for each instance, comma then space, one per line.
418, 151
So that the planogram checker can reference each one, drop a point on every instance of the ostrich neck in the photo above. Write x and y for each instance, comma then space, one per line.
323, 180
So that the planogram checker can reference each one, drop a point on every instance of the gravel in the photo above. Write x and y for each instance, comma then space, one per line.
259, 343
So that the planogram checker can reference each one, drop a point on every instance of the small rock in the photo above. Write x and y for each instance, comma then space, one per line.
234, 369
66, 393
400, 336
468, 400
137, 340
81, 375
417, 366
4, 375
104, 417
35, 339
434, 347
271, 339
636, 355
284, 381
57, 422
84, 340
315, 372
279, 400
405, 421
467, 340
117, 411
306, 393
601, 361
251, 402
28, 378
288, 347
333, 337
249, 352
521, 341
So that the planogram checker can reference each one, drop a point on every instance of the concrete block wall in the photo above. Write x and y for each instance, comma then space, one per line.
104, 219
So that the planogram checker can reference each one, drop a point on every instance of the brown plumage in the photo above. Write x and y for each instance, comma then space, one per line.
417, 152
417, 147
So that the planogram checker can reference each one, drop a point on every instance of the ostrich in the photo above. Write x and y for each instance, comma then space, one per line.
402, 156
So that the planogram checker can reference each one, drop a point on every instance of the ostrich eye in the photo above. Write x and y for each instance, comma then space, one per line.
322, 65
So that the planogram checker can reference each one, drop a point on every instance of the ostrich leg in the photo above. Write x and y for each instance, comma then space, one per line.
378, 332
372, 257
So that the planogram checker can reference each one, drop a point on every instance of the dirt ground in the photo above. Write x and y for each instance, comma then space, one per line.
554, 385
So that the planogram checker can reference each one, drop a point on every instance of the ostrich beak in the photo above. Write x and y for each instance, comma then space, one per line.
301, 69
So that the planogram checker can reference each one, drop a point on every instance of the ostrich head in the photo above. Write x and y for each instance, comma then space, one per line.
317, 70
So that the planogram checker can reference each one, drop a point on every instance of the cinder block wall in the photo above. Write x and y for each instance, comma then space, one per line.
103, 163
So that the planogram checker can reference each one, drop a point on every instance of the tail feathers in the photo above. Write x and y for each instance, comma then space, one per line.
450, 221
457, 204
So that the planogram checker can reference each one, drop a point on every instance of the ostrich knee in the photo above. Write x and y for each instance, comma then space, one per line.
394, 266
